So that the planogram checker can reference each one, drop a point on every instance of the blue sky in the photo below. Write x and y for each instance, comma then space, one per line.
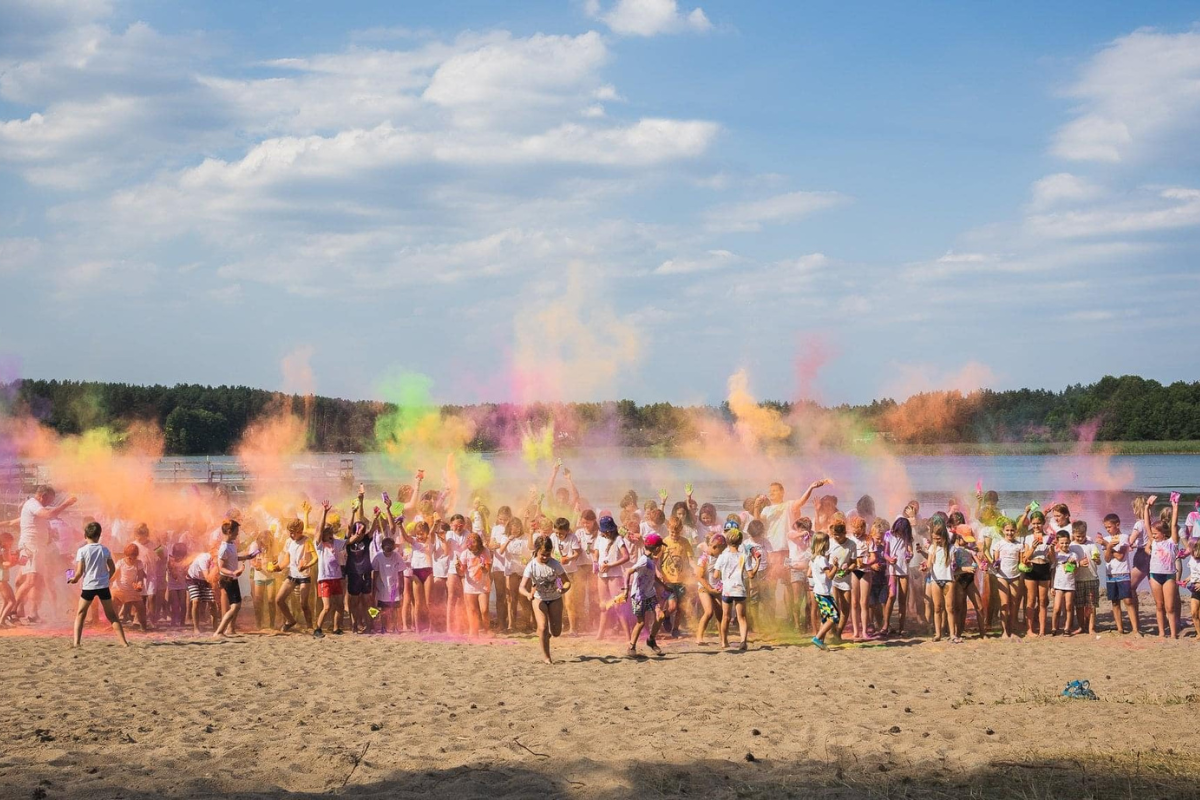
595, 200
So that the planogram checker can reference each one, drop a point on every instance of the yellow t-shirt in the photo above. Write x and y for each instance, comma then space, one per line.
677, 560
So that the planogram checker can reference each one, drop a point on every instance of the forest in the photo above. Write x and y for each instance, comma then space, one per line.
199, 420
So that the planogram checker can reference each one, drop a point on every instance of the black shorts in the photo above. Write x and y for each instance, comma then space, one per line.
357, 584
965, 578
95, 594
300, 581
1038, 572
232, 590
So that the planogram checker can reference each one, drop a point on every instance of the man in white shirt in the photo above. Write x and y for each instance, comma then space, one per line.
33, 546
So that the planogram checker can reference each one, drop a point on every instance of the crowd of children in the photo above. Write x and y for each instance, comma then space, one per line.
419, 565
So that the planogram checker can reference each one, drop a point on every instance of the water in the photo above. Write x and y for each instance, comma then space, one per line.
1092, 485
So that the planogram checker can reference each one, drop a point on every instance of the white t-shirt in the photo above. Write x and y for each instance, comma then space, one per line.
1119, 569
778, 519
587, 543
227, 555
943, 564
608, 551
799, 553
499, 560
1043, 551
820, 581
545, 578
1063, 581
1138, 539
419, 557
447, 551
842, 556
201, 564
476, 571
389, 576
95, 558
1191, 525
894, 547
330, 556
1007, 557
35, 530
566, 545
731, 569
1192, 572
1084, 555
642, 586
515, 550
295, 552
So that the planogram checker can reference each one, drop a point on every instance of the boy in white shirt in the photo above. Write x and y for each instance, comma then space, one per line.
730, 569
94, 567
1087, 581
1117, 560
230, 568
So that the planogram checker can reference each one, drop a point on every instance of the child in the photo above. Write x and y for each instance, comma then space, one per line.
94, 567
230, 569
567, 550
1193, 581
860, 585
128, 582
875, 566
843, 554
643, 582
731, 568
1006, 561
1065, 564
676, 568
1087, 581
199, 588
296, 559
610, 554
939, 565
1119, 587
474, 568
387, 579
898, 552
543, 584
504, 618
708, 592
8, 559
424, 547
358, 566
965, 564
1037, 559
799, 552
330, 554
263, 582
822, 569
1164, 552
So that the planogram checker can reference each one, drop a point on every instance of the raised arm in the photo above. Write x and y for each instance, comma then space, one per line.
1149, 547
808, 493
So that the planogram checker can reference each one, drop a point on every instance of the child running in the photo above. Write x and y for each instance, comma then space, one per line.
644, 582
543, 584
821, 569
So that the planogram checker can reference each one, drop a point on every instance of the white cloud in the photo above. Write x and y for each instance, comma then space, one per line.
1144, 211
711, 260
1138, 98
1061, 189
18, 253
648, 17
782, 208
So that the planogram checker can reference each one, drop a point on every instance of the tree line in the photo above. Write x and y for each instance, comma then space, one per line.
198, 420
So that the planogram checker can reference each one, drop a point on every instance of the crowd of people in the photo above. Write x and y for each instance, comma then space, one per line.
555, 564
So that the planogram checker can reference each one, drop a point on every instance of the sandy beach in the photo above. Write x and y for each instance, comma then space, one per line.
274, 715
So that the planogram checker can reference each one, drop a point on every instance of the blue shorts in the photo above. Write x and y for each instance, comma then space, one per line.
1118, 591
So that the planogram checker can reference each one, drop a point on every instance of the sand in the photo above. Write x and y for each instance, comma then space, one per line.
274, 715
